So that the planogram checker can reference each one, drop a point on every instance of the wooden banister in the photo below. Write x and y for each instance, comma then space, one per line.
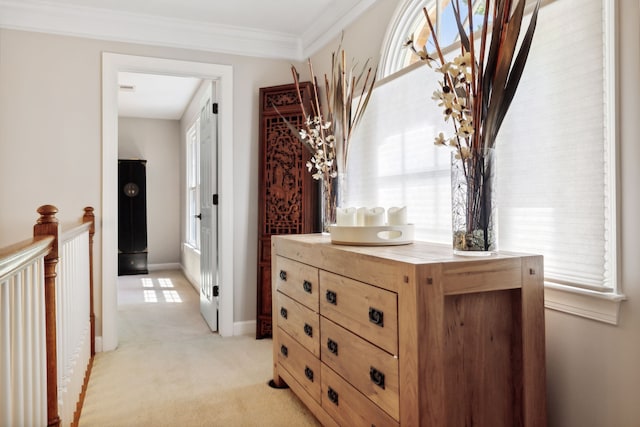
16, 256
90, 217
52, 273
47, 225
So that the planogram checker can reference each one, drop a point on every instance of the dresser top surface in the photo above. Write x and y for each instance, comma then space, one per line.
416, 253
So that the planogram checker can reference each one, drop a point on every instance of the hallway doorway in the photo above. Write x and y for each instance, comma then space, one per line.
112, 65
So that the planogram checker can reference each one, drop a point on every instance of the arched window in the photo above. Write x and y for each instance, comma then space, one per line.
410, 20
556, 149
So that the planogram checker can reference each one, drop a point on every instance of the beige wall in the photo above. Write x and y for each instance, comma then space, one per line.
50, 104
593, 369
50, 138
157, 142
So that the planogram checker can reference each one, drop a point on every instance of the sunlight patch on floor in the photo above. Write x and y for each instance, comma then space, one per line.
152, 290
165, 283
150, 296
171, 296
159, 293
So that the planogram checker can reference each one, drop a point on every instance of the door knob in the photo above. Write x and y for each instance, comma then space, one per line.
199, 216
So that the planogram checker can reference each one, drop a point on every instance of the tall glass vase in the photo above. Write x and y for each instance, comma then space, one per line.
474, 212
332, 196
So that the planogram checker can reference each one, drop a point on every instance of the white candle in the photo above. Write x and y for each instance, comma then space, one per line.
397, 216
360, 216
374, 217
346, 216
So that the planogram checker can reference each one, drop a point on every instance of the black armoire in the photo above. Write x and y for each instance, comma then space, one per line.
132, 217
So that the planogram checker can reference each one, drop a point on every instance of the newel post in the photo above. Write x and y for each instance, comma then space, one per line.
47, 225
90, 217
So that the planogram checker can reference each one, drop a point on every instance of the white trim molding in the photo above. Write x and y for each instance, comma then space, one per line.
103, 24
595, 305
112, 64
247, 327
329, 26
164, 266
401, 26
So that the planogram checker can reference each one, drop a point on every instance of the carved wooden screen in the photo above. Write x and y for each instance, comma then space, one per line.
288, 196
284, 169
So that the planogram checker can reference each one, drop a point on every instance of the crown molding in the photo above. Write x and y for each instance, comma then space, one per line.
153, 30
329, 25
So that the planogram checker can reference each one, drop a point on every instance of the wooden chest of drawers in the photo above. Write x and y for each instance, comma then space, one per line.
409, 335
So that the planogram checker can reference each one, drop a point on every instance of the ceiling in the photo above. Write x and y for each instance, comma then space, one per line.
153, 96
286, 29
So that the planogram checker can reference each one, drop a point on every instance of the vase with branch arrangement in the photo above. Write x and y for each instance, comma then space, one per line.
475, 92
327, 132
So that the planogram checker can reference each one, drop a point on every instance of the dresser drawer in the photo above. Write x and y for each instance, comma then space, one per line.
348, 406
366, 310
298, 281
299, 322
300, 363
371, 370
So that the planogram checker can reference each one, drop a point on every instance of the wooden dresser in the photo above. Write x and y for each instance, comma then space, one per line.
409, 335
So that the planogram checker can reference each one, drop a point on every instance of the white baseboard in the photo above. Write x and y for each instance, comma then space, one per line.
244, 328
166, 266
239, 328
190, 279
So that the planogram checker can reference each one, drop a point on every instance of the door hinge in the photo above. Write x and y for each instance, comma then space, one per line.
215, 108
216, 291
215, 200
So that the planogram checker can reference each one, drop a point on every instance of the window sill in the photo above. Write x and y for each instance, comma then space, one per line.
191, 247
600, 306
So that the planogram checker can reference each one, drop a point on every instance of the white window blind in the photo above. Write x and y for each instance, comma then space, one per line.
553, 171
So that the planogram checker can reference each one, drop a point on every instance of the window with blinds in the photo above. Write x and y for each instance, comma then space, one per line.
193, 185
556, 191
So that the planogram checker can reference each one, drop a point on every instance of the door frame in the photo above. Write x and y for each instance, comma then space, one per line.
112, 64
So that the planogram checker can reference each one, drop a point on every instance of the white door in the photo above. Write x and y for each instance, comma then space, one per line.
208, 209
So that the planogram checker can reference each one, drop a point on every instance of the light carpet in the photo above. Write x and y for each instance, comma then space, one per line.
170, 370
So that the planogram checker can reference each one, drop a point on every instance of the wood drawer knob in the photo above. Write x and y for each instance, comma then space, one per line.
283, 312
283, 275
284, 350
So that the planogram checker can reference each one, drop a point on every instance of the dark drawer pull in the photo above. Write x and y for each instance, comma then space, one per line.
306, 286
308, 330
308, 372
376, 317
284, 350
377, 377
332, 395
332, 346
283, 312
332, 298
283, 275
